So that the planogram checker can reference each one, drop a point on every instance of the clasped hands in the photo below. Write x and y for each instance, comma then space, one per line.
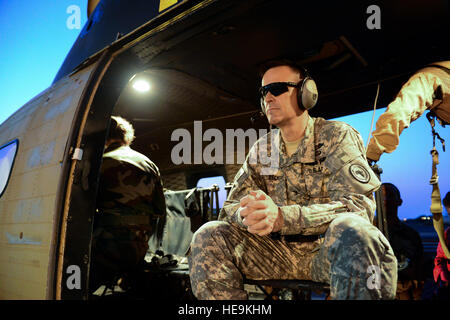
260, 214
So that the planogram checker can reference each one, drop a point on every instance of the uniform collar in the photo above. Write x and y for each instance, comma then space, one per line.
305, 152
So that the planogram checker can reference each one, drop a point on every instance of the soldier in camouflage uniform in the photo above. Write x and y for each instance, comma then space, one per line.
130, 207
307, 215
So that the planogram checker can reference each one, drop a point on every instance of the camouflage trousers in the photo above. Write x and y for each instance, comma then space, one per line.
354, 257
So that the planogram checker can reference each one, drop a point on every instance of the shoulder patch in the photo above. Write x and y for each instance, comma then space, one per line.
359, 173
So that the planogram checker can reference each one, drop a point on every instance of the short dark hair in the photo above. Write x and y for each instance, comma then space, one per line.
120, 129
446, 200
281, 62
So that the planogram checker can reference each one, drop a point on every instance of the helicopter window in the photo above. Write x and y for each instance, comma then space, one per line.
7, 155
209, 181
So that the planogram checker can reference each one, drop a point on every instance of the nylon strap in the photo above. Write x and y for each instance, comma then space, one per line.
436, 205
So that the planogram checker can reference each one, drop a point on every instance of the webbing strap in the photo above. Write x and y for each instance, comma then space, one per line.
436, 205
431, 118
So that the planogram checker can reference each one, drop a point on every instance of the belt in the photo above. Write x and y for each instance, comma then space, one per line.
295, 237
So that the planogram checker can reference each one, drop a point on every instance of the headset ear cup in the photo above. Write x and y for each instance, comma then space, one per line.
309, 93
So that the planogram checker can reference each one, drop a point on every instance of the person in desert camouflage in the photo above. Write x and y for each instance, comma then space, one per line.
307, 215
130, 206
426, 89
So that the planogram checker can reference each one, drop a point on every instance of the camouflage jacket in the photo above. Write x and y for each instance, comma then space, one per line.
130, 188
327, 175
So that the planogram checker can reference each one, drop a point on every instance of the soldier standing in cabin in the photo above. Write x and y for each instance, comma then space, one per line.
130, 207
308, 217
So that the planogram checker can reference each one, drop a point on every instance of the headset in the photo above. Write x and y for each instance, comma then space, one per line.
307, 94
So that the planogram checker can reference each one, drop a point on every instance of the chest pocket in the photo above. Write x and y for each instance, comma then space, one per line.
316, 180
276, 187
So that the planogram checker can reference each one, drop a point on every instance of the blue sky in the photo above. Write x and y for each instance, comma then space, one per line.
34, 40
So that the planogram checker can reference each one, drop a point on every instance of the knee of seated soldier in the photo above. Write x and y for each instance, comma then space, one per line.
208, 231
353, 229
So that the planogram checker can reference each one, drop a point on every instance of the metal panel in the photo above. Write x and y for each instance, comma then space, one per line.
28, 217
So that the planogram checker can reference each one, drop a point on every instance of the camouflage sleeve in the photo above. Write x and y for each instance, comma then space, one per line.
414, 98
246, 180
350, 187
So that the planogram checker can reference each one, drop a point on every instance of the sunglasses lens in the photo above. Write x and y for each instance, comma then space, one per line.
274, 88
278, 88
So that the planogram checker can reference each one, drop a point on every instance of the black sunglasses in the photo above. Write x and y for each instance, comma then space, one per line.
276, 88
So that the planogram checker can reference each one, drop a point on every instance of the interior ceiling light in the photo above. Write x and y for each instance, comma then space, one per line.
141, 85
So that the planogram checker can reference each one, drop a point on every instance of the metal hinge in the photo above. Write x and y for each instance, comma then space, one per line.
77, 154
